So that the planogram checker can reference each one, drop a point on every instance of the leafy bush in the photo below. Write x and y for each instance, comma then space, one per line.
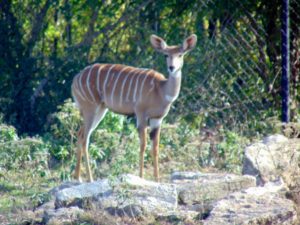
7, 133
231, 151
186, 149
107, 144
63, 128
22, 153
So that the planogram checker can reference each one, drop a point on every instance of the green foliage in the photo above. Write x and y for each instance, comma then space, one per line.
127, 157
63, 129
115, 142
40, 198
24, 171
231, 152
7, 133
16, 153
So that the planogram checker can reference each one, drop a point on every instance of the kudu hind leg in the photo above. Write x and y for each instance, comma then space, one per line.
86, 154
79, 153
141, 123
91, 121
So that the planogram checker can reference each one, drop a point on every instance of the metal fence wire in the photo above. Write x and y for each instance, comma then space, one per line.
237, 81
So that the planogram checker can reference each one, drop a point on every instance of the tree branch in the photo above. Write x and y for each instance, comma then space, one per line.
92, 34
88, 37
37, 92
37, 26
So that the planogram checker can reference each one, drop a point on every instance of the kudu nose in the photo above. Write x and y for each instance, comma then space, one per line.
171, 68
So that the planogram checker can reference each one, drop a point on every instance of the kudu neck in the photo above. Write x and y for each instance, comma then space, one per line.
171, 88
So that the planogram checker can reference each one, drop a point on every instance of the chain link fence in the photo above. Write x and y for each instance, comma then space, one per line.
237, 71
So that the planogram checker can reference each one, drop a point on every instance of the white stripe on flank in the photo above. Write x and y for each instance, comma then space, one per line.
76, 101
152, 84
88, 83
80, 84
98, 80
115, 84
122, 88
142, 86
123, 85
130, 84
77, 88
135, 88
106, 79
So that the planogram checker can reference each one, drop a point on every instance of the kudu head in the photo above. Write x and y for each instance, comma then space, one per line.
173, 54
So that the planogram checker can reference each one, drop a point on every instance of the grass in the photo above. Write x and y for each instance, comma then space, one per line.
22, 190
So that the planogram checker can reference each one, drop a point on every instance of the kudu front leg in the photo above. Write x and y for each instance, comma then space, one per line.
155, 135
143, 144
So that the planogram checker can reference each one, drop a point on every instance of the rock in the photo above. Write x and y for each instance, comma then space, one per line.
274, 157
81, 193
255, 206
65, 185
127, 195
62, 215
185, 175
180, 216
275, 140
131, 211
40, 211
277, 189
200, 191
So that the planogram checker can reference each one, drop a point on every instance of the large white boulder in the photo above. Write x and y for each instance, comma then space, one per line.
255, 206
273, 158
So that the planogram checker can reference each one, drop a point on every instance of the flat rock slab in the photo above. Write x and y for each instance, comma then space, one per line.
127, 195
200, 191
87, 191
255, 206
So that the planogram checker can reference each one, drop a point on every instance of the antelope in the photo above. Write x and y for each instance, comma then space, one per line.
127, 90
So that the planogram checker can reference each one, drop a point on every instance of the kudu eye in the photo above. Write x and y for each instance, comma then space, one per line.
180, 55
166, 56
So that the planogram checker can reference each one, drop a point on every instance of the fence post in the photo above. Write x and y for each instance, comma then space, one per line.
285, 45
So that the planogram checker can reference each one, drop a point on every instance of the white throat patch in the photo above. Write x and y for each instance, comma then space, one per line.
176, 73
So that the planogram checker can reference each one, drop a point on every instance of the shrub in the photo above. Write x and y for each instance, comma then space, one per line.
231, 151
22, 153
107, 143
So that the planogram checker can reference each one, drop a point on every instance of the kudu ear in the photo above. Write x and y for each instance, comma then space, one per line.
189, 43
158, 43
